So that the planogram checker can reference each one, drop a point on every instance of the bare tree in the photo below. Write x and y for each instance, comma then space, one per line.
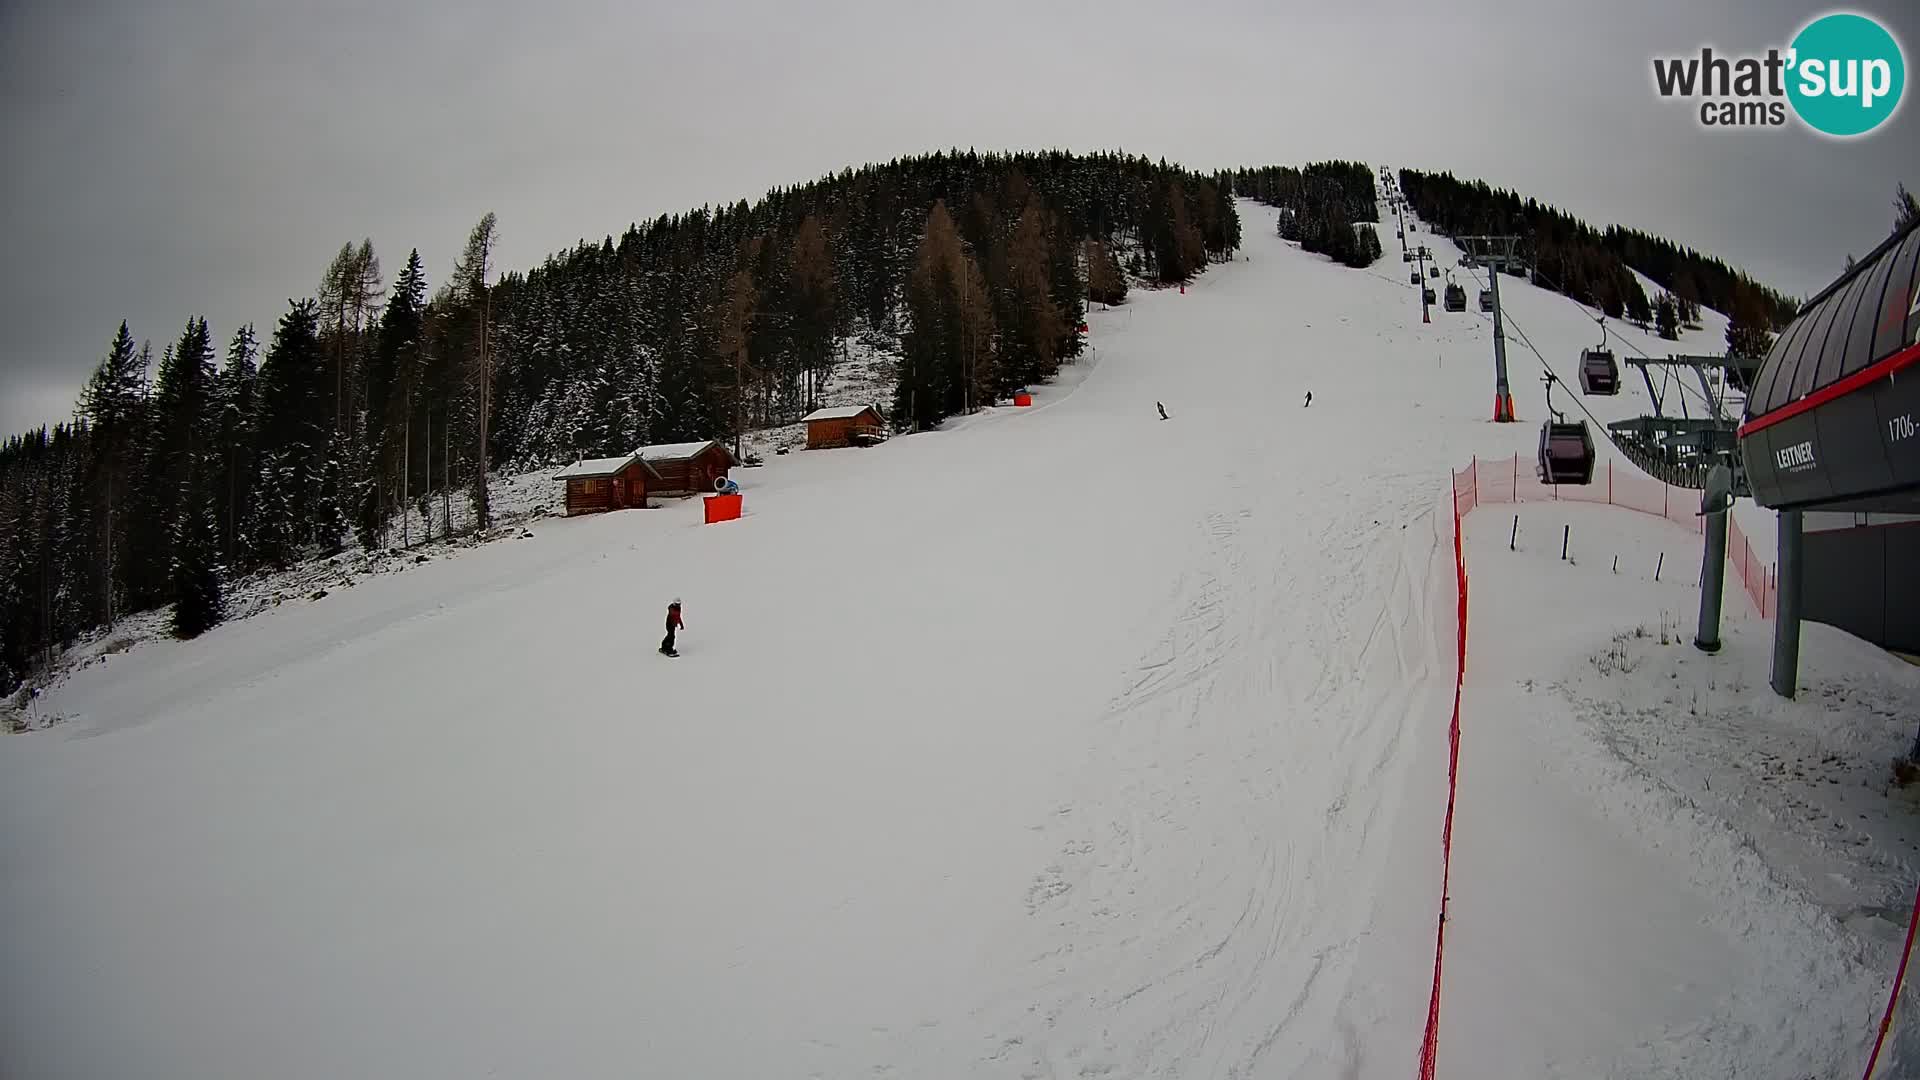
736, 333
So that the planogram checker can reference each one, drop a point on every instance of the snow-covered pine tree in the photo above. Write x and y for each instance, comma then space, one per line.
199, 591
238, 395
114, 405
296, 414
1666, 317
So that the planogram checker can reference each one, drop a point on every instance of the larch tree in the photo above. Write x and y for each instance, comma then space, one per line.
473, 302
814, 296
1106, 284
734, 334
947, 350
1030, 337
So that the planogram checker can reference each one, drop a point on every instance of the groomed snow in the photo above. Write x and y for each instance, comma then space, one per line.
1142, 774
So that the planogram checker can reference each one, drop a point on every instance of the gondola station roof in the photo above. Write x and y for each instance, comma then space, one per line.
1831, 418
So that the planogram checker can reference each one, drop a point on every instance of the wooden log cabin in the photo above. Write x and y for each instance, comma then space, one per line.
845, 425
615, 483
688, 468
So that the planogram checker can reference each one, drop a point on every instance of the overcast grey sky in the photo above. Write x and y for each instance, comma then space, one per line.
167, 158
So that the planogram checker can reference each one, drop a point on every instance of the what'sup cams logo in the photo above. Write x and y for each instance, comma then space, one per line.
1843, 75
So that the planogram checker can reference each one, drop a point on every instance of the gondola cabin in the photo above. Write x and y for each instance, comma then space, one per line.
1566, 453
688, 468
1413, 278
846, 425
1598, 373
1427, 295
600, 484
1456, 298
1433, 271
1486, 300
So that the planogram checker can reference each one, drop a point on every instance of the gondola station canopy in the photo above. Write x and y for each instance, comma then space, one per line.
1831, 418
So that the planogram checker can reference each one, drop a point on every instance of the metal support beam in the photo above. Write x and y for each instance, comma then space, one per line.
1502, 392
1714, 503
1786, 620
1706, 391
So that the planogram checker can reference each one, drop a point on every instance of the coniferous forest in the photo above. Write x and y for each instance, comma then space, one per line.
1328, 207
1568, 256
250, 448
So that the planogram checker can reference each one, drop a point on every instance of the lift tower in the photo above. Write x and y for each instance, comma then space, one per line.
1497, 255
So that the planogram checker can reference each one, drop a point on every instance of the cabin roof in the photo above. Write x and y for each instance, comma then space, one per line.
839, 412
681, 451
595, 468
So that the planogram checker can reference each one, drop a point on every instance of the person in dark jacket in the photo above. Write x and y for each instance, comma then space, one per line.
1309, 399
673, 623
1162, 408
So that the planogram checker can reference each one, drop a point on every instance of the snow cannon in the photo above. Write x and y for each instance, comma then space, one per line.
725, 486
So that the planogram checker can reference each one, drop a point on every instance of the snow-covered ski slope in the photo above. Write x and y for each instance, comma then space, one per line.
1067, 742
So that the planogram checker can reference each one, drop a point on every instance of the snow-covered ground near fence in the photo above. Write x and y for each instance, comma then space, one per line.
1062, 741
1660, 868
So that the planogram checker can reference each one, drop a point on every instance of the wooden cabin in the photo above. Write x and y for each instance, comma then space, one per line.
688, 468
615, 483
845, 425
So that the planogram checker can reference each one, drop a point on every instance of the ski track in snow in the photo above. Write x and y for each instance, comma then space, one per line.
1065, 742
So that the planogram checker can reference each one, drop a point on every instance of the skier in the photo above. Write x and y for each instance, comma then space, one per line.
1162, 408
673, 623
1309, 400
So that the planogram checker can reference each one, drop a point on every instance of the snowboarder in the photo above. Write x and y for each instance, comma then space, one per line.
1162, 408
1309, 400
673, 623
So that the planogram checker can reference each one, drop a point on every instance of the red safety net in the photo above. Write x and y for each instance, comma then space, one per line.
1513, 480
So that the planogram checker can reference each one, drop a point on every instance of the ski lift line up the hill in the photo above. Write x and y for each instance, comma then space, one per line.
1711, 403
1678, 450
1613, 433
1566, 449
1599, 374
1494, 261
1562, 450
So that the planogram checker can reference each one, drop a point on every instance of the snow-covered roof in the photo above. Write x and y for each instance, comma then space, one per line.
678, 451
597, 467
839, 412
